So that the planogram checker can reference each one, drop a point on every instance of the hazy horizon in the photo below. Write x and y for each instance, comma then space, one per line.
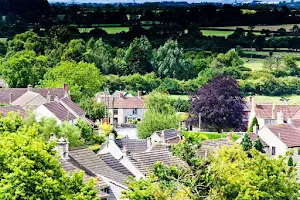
143, 1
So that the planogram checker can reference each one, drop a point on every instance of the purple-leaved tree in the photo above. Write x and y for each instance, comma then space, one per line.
219, 103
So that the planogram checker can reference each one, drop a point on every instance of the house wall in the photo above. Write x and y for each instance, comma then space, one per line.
115, 187
295, 155
123, 113
112, 148
42, 112
155, 139
273, 141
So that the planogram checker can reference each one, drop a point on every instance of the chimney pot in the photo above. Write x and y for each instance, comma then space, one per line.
121, 95
140, 94
279, 117
56, 98
66, 87
29, 87
48, 97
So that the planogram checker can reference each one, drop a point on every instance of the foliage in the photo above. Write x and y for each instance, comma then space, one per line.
93, 109
24, 68
253, 123
290, 162
73, 134
203, 136
155, 121
220, 104
246, 142
29, 170
84, 79
159, 102
87, 132
258, 145
106, 128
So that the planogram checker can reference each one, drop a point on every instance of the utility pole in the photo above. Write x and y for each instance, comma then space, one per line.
199, 122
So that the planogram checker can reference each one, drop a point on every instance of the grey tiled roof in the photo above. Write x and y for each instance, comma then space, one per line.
17, 92
144, 161
71, 166
59, 111
115, 164
132, 145
72, 106
168, 134
4, 110
91, 161
209, 146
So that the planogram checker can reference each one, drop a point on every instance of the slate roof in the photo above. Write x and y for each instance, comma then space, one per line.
168, 134
144, 161
115, 164
129, 103
209, 146
25, 98
132, 145
289, 111
288, 134
253, 137
17, 92
4, 110
73, 106
117, 94
91, 161
59, 111
71, 166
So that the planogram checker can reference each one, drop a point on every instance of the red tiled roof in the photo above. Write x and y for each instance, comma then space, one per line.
130, 102
70, 104
265, 111
59, 111
17, 92
253, 137
4, 110
288, 134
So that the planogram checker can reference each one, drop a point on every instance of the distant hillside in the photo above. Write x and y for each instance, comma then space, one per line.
23, 6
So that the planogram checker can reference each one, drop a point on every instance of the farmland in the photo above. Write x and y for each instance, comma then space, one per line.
260, 27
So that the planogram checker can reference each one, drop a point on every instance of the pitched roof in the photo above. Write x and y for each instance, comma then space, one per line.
117, 94
169, 133
70, 165
253, 137
17, 92
265, 111
73, 106
25, 98
91, 161
132, 145
59, 111
209, 146
4, 110
144, 161
115, 164
131, 102
288, 134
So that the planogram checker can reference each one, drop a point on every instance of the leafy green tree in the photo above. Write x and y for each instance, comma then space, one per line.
291, 66
84, 79
290, 162
30, 170
159, 102
87, 132
169, 61
24, 68
74, 51
139, 56
254, 122
73, 133
93, 109
258, 145
246, 142
155, 121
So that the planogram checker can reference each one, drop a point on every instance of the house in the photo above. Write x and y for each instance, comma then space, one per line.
266, 114
4, 110
63, 110
29, 100
210, 146
281, 138
170, 136
8, 95
123, 109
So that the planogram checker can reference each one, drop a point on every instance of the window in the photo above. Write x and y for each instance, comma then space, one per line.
115, 111
134, 111
273, 151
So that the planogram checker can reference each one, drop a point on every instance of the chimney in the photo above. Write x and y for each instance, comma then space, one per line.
48, 97
250, 99
11, 98
289, 121
66, 87
63, 147
149, 142
273, 110
140, 94
125, 151
162, 136
279, 117
253, 104
29, 87
56, 98
255, 130
121, 95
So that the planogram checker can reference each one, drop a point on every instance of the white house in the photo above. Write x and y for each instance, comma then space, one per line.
170, 136
266, 113
124, 109
281, 138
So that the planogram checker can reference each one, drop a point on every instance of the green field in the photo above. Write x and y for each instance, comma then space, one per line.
109, 30
216, 33
259, 28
